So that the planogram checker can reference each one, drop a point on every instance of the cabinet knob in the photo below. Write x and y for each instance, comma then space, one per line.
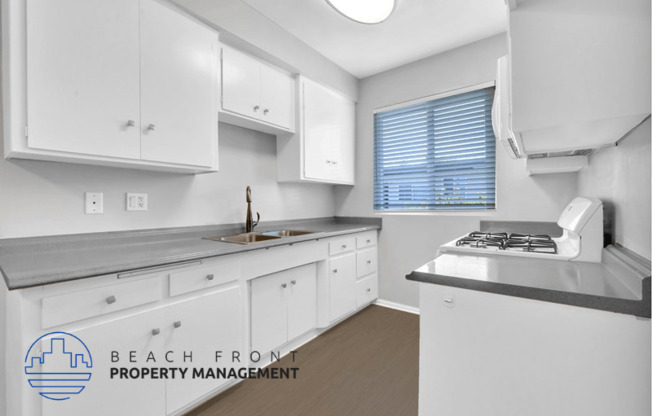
156, 331
294, 282
131, 123
368, 261
328, 162
256, 108
284, 285
449, 300
266, 111
334, 162
343, 245
151, 127
111, 299
368, 241
177, 324
369, 289
334, 270
210, 277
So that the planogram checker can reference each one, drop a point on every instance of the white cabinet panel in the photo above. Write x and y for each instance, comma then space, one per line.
268, 312
240, 83
342, 285
107, 397
302, 302
179, 87
366, 290
82, 76
367, 262
277, 97
202, 325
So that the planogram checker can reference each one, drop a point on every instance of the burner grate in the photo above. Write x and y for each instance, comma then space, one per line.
513, 241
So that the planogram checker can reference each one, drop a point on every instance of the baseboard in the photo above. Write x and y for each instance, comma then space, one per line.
397, 306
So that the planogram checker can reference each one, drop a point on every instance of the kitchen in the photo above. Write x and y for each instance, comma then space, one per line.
47, 198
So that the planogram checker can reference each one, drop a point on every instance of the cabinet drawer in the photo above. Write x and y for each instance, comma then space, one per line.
366, 290
368, 239
341, 245
84, 304
367, 262
204, 277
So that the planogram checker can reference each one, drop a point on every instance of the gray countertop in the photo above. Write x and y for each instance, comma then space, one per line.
620, 283
33, 261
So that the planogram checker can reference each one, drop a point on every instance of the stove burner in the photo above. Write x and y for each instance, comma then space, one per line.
504, 241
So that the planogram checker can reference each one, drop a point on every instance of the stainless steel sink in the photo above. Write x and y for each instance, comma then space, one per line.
244, 238
286, 233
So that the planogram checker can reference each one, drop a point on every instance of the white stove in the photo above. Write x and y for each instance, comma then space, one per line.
581, 240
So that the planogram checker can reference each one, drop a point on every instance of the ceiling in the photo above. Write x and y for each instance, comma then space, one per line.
417, 29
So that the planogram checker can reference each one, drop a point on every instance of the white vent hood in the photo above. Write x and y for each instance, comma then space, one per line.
571, 86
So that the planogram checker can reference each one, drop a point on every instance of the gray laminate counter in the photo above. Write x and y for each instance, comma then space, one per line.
33, 261
620, 283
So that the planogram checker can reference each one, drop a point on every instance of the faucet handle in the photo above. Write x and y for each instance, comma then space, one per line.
256, 222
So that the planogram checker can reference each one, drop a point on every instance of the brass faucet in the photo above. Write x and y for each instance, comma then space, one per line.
249, 223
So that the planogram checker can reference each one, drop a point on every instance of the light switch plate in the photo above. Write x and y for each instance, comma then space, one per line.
94, 202
136, 202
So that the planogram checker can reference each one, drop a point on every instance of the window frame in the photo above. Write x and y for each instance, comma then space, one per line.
427, 212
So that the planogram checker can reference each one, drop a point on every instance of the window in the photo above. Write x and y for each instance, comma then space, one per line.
436, 155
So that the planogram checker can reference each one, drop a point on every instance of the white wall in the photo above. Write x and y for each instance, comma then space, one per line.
620, 177
43, 198
408, 241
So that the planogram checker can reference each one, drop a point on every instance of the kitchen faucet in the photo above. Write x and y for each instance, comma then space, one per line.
250, 224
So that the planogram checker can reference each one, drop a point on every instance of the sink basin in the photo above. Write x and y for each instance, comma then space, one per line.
244, 238
286, 233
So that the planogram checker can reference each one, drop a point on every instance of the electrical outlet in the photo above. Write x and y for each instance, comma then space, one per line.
136, 202
94, 202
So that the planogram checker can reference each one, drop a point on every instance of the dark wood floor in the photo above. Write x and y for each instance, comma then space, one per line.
366, 365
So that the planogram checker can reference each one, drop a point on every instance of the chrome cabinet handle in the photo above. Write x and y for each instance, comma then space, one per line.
449, 300
111, 299
210, 277
265, 111
369, 289
334, 270
343, 245
151, 127
368, 261
156, 331
177, 324
131, 123
368, 241
256, 108
284, 285
294, 282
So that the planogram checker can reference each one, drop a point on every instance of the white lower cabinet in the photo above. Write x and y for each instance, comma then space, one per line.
342, 285
366, 290
201, 326
102, 395
283, 306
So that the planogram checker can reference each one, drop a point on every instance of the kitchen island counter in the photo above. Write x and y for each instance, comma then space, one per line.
620, 283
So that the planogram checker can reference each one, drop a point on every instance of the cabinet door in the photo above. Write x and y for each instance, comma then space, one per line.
202, 325
342, 285
277, 97
317, 129
240, 83
268, 312
179, 87
82, 76
104, 396
342, 142
302, 302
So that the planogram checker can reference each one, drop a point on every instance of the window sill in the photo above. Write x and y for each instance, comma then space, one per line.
466, 213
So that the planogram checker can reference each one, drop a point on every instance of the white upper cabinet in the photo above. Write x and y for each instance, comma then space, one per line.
179, 88
110, 82
580, 72
323, 148
255, 95
82, 77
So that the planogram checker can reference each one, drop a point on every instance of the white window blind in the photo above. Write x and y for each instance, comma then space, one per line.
436, 155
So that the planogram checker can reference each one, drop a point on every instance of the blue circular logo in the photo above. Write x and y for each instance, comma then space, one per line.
58, 365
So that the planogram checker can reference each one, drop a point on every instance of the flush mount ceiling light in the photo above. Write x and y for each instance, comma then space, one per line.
364, 11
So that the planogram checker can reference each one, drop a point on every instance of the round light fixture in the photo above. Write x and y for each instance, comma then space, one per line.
364, 11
